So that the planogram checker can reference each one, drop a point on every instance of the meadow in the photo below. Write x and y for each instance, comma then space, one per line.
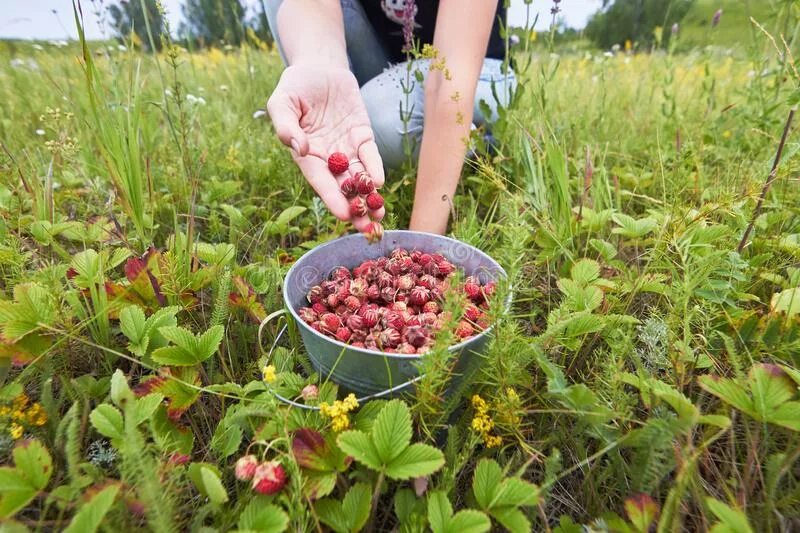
646, 377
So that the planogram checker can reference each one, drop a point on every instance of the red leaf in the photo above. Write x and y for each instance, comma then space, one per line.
642, 510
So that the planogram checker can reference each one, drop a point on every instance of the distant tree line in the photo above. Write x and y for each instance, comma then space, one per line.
635, 20
205, 22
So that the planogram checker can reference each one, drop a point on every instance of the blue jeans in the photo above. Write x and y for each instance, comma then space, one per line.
382, 85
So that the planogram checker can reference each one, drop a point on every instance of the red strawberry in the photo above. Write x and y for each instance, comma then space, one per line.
430, 307
373, 292
331, 322
464, 329
371, 318
349, 188
355, 322
472, 313
424, 259
472, 288
340, 273
307, 315
319, 308
406, 348
315, 294
446, 267
420, 295
389, 338
358, 287
388, 294
393, 319
374, 200
333, 300
404, 283
358, 208
416, 336
269, 478
489, 289
245, 467
374, 232
398, 253
364, 183
352, 303
343, 334
338, 163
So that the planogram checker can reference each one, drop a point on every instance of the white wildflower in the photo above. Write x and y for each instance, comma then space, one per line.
122, 48
223, 88
37, 47
260, 113
40, 132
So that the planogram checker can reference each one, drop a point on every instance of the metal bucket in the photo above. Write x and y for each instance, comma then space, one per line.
370, 372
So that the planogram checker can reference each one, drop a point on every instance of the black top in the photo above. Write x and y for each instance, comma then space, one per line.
386, 16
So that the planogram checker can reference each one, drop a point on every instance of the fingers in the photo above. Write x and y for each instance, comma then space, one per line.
285, 117
316, 172
373, 164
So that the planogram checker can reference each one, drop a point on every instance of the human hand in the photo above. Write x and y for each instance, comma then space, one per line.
317, 110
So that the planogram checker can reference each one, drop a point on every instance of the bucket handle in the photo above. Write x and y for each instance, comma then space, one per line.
281, 312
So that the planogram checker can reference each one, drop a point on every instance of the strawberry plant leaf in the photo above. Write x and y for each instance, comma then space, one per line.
415, 461
313, 451
358, 444
263, 516
439, 511
132, 323
641, 510
391, 433
15, 492
180, 337
442, 520
107, 420
331, 514
730, 520
512, 519
91, 514
728, 391
486, 481
33, 306
770, 387
356, 505
208, 342
173, 356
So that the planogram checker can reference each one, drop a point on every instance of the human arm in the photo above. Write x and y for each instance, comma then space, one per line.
449, 107
316, 107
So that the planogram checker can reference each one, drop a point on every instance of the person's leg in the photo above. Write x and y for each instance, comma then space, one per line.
385, 97
365, 52
494, 90
388, 97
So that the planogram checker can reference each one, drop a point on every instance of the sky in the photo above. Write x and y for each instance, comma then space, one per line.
34, 19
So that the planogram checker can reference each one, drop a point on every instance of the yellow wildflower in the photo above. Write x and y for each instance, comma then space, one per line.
20, 402
338, 412
15, 430
492, 441
269, 374
36, 415
5, 410
512, 394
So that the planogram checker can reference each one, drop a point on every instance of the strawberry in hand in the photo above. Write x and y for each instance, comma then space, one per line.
317, 111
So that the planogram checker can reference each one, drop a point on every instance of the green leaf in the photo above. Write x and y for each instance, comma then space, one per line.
512, 519
439, 511
208, 342
442, 520
585, 272
180, 337
205, 477
770, 387
213, 486
331, 514
391, 433
33, 461
728, 391
32, 307
642, 511
11, 480
415, 461
517, 492
91, 513
145, 407
173, 356
226, 439
632, 228
787, 301
289, 214
730, 520
120, 391
107, 420
262, 516
356, 505
132, 324
485, 482
359, 445
787, 415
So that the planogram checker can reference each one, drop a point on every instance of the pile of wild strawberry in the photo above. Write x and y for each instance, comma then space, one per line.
393, 304
360, 191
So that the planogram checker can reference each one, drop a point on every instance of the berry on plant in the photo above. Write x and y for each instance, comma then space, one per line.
269, 478
338, 163
245, 467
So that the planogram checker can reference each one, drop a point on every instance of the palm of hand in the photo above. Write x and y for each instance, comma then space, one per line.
318, 111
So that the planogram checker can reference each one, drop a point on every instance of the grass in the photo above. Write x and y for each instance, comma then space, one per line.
645, 378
